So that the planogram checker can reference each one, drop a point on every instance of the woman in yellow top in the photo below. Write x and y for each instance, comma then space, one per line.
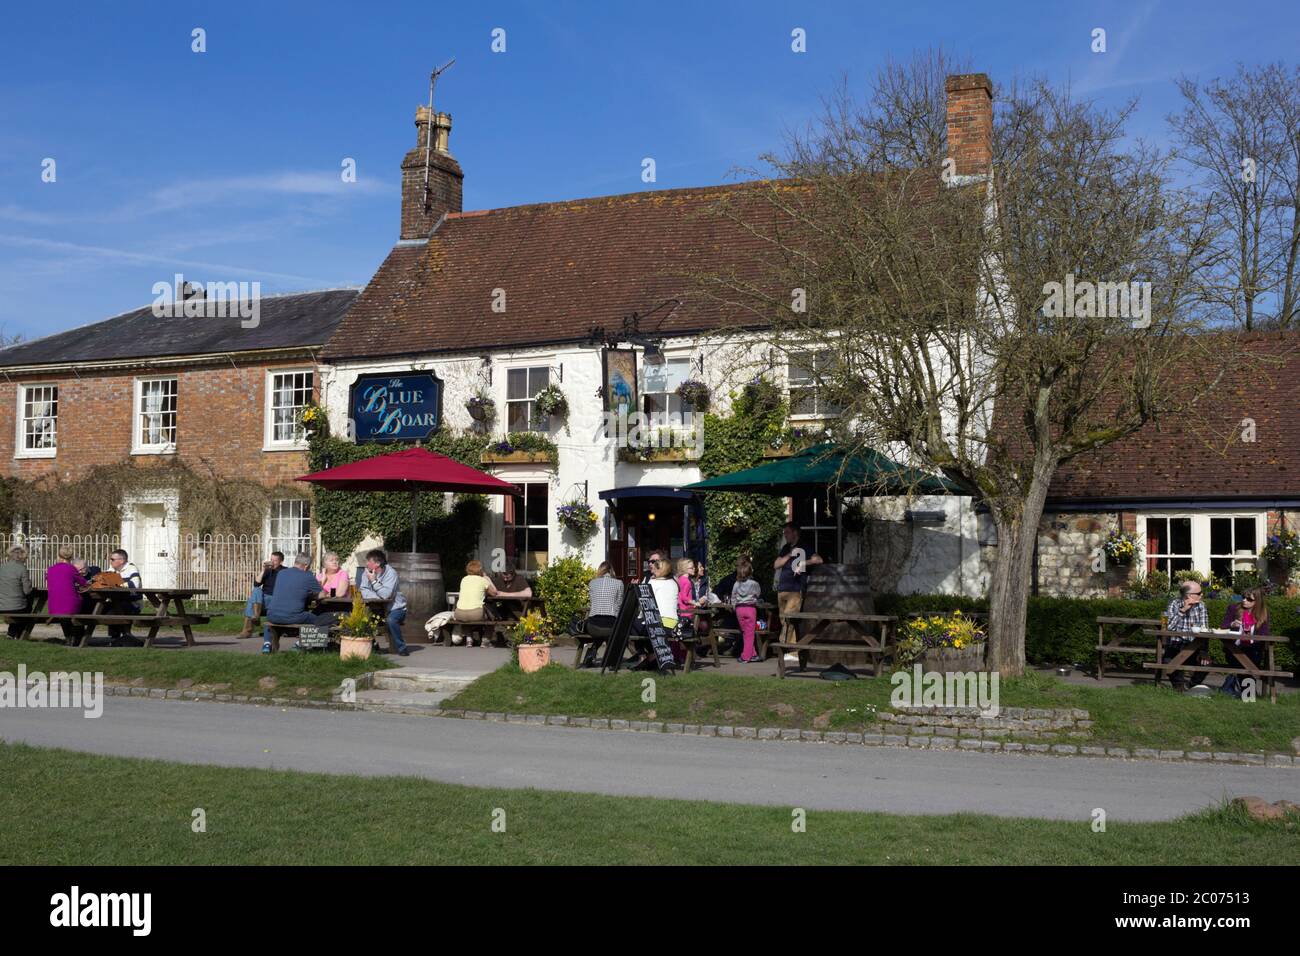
474, 588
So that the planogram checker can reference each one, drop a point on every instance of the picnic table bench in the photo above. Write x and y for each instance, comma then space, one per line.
876, 647
161, 598
1196, 644
1126, 630
764, 636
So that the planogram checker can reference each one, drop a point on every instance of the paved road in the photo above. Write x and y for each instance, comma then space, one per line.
813, 776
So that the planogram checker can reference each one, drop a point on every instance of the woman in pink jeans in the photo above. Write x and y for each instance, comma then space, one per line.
744, 599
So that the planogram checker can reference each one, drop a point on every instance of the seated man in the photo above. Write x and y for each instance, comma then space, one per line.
509, 583
295, 590
1186, 612
379, 581
120, 634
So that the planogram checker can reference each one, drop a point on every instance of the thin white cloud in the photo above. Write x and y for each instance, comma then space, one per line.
213, 270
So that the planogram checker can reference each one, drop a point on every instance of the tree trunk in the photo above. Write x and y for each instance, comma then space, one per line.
1010, 579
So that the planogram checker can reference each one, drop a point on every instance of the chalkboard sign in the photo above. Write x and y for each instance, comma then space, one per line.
654, 626
638, 601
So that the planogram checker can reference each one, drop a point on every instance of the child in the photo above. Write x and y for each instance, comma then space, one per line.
744, 598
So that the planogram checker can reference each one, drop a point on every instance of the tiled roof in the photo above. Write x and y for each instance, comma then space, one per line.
302, 319
564, 267
1205, 457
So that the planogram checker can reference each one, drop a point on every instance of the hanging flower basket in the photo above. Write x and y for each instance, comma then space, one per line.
694, 393
481, 408
1121, 546
549, 401
579, 518
314, 421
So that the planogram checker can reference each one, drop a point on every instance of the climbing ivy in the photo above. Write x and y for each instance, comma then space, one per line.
741, 524
346, 517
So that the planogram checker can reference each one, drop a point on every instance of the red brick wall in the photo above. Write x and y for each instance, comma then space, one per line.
219, 419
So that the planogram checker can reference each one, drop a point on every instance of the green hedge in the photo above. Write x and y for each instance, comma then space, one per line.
1064, 630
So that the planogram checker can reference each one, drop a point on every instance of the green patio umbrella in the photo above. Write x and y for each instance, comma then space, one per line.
820, 467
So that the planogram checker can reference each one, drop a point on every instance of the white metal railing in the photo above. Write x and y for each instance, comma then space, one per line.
222, 564
43, 550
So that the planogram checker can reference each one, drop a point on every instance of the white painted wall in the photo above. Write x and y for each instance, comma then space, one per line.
941, 559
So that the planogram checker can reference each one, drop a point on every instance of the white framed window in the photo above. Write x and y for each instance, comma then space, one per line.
288, 393
804, 374
38, 421
522, 386
1217, 543
659, 381
155, 416
817, 517
528, 526
289, 527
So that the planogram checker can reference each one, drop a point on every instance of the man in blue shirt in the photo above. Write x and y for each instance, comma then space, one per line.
791, 565
296, 589
378, 582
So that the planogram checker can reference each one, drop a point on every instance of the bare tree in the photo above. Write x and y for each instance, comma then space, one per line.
1241, 139
988, 327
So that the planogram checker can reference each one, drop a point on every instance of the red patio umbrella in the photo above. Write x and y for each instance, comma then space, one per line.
412, 470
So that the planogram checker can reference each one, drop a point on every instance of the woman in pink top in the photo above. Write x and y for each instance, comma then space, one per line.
333, 579
65, 585
685, 592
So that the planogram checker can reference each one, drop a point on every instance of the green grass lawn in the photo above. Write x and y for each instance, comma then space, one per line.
319, 673
1138, 716
60, 807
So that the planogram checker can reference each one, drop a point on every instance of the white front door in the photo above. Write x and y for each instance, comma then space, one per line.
154, 551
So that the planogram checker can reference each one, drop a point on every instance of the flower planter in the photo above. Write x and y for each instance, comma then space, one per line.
946, 660
358, 647
656, 456
533, 657
516, 458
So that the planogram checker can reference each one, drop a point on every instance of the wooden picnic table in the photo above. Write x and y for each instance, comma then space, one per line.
877, 646
1196, 644
764, 636
1125, 630
343, 605
162, 599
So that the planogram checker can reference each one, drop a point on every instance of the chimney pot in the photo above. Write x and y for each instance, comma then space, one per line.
423, 207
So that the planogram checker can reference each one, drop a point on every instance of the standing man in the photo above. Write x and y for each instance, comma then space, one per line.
295, 590
791, 566
120, 634
1185, 613
263, 588
16, 588
379, 583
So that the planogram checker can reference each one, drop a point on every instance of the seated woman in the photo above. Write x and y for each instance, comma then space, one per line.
1250, 616
604, 599
474, 589
686, 601
333, 579
65, 586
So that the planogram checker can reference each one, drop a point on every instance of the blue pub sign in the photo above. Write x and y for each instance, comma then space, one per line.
387, 408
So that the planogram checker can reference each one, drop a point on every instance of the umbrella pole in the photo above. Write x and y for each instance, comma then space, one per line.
414, 521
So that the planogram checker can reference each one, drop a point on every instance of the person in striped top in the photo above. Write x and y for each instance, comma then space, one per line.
604, 598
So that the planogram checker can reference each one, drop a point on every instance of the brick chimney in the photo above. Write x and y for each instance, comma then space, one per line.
970, 122
421, 210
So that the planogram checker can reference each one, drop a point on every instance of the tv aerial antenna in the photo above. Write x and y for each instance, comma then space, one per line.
428, 139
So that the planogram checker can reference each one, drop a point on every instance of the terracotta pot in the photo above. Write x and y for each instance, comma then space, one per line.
359, 647
533, 657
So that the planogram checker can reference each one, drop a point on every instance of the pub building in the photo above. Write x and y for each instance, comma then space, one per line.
590, 297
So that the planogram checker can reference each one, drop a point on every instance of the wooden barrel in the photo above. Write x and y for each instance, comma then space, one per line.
420, 577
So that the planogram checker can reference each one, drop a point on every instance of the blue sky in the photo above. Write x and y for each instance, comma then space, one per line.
225, 165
